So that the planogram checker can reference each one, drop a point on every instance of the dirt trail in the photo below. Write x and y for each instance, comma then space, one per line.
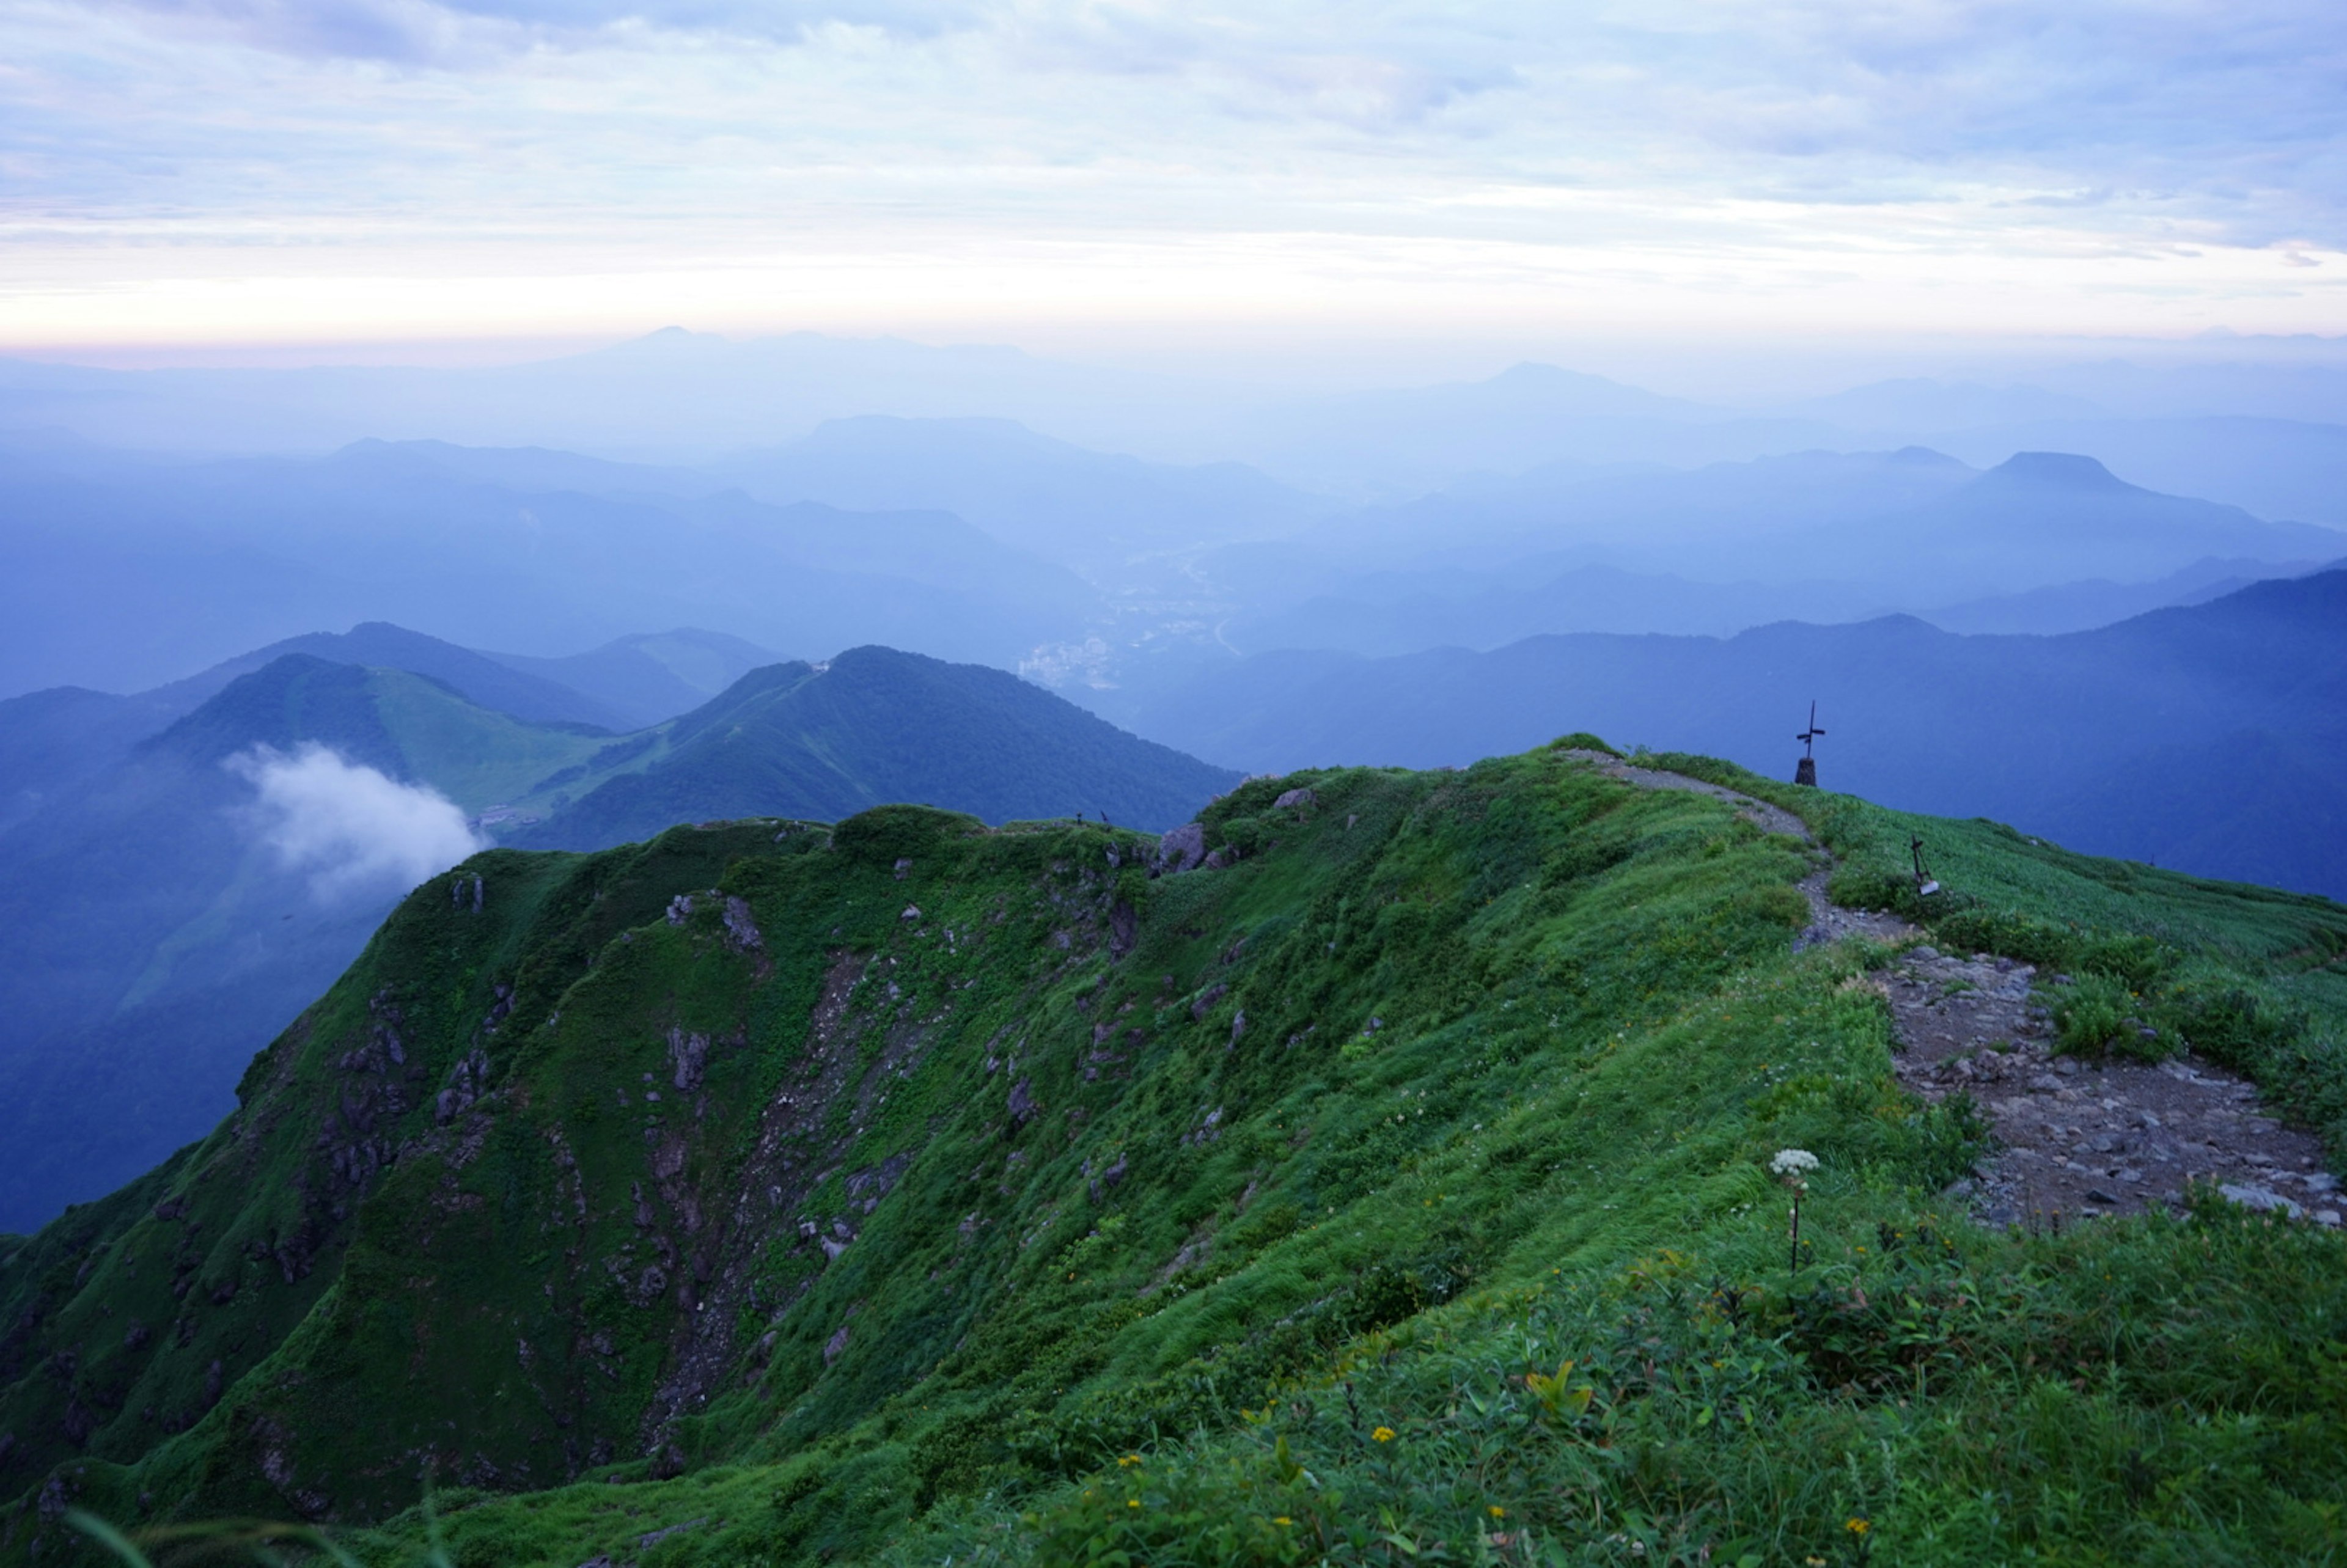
2072, 1137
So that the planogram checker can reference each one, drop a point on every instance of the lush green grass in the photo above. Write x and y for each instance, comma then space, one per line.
1451, 1081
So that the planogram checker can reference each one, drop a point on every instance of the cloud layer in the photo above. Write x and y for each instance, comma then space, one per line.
2147, 150
348, 828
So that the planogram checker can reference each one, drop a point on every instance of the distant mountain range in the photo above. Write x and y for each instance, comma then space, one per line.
164, 936
2209, 738
2044, 542
1061, 502
128, 574
982, 540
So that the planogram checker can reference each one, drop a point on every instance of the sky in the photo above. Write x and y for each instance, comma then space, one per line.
267, 174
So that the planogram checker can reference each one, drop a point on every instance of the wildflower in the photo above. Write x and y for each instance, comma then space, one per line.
1383, 1434
1858, 1526
1128, 1460
1793, 1164
1132, 1502
1790, 1166
1283, 1519
1498, 1512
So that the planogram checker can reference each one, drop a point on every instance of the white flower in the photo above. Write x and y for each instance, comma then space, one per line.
1794, 1162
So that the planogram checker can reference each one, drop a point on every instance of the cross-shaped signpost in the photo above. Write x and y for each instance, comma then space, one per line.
1806, 771
1925, 883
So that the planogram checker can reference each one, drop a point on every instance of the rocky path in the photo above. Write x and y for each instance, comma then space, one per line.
2072, 1138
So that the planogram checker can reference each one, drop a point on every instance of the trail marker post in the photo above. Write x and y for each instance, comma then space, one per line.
1925, 886
1806, 771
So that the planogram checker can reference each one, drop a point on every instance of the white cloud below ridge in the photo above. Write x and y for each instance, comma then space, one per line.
347, 827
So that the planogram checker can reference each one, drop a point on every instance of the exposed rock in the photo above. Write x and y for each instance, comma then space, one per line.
1181, 849
872, 1184
1206, 1000
1124, 928
654, 1537
688, 1055
2262, 1200
742, 932
1207, 1130
1295, 798
833, 1346
1022, 1103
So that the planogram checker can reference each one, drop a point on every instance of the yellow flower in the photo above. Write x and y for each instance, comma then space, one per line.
1283, 1519
1132, 1502
1383, 1434
1858, 1527
1499, 1512
1128, 1460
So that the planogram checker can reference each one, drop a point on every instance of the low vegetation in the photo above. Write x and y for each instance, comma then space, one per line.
1396, 1186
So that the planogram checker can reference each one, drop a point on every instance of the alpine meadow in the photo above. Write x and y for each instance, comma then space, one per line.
1377, 1167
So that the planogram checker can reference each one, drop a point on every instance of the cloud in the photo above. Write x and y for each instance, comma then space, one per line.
757, 163
347, 827
472, 33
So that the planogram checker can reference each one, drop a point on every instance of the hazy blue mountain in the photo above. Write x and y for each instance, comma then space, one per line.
671, 395
51, 741
1920, 404
1060, 501
2040, 518
2273, 467
2045, 542
2083, 606
651, 676
158, 938
162, 934
1486, 609
2302, 381
876, 725
482, 679
1400, 442
126, 579
1639, 516
531, 470
2104, 739
1483, 611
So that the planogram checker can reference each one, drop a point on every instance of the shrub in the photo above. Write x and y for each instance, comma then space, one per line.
2098, 1016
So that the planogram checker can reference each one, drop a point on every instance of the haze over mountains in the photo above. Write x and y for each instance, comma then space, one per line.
444, 616
826, 510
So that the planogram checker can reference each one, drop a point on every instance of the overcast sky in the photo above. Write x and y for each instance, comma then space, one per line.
278, 170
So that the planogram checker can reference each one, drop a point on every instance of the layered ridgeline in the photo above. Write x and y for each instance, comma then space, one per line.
1381, 1162
177, 899
2207, 737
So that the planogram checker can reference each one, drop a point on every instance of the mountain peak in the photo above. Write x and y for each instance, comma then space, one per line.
2056, 470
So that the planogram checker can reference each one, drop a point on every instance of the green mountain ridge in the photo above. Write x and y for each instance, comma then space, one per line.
1391, 1184
159, 943
873, 726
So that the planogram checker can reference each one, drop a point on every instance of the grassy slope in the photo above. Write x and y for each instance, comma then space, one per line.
876, 725
1588, 1035
474, 755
